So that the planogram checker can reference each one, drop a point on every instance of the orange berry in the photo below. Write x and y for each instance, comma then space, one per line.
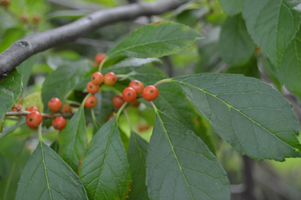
150, 93
111, 116
32, 108
33, 119
36, 19
91, 101
129, 94
110, 78
97, 78
54, 104
99, 58
59, 123
67, 109
137, 86
16, 108
24, 17
118, 101
92, 88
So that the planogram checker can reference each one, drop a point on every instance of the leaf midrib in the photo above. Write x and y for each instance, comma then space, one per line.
45, 169
229, 105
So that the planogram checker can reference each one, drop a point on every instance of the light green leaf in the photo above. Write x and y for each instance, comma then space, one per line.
180, 166
232, 7
272, 24
137, 152
10, 91
10, 129
63, 80
172, 101
235, 44
156, 40
135, 62
25, 69
73, 139
290, 68
47, 176
254, 118
104, 167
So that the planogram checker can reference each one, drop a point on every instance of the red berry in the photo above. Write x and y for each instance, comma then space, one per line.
92, 88
99, 58
5, 3
33, 119
118, 101
36, 18
59, 123
129, 94
110, 78
97, 78
150, 93
67, 109
54, 104
24, 17
111, 116
135, 104
91, 101
137, 86
16, 108
32, 108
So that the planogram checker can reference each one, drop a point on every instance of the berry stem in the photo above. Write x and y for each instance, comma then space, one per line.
40, 133
127, 119
121, 109
102, 62
162, 81
154, 106
94, 119
72, 102
121, 76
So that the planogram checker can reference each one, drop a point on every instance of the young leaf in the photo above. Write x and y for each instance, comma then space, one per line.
156, 40
180, 166
60, 82
73, 139
235, 44
176, 104
289, 73
232, 7
10, 91
272, 24
254, 118
104, 167
137, 152
47, 176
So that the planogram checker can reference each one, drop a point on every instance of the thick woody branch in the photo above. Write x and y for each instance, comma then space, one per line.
22, 49
44, 115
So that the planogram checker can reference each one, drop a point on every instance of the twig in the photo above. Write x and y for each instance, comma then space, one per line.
22, 49
44, 115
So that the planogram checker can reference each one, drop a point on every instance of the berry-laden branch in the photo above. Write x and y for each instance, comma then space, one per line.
44, 115
22, 49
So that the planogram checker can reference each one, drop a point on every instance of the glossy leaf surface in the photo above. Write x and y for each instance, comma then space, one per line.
246, 113
180, 166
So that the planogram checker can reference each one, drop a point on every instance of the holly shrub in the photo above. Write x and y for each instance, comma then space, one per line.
111, 124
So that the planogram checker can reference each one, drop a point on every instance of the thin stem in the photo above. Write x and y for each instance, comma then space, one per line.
154, 106
40, 133
122, 76
94, 118
12, 171
163, 81
102, 62
73, 102
121, 109
128, 119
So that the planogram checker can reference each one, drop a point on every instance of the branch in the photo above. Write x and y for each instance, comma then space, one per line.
22, 49
77, 5
44, 115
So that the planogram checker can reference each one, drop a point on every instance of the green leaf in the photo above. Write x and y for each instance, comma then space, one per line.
137, 152
180, 166
10, 36
135, 62
156, 40
235, 45
63, 80
272, 24
232, 7
290, 68
73, 140
25, 69
10, 91
254, 118
104, 167
10, 129
172, 101
47, 176
249, 69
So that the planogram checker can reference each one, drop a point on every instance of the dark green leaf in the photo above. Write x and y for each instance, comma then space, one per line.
104, 167
254, 118
232, 7
47, 176
60, 82
10, 91
172, 101
137, 153
249, 69
25, 69
290, 68
9, 37
55, 146
156, 40
235, 45
73, 139
272, 24
180, 166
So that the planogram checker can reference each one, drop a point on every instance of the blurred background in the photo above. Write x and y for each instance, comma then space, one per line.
250, 179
